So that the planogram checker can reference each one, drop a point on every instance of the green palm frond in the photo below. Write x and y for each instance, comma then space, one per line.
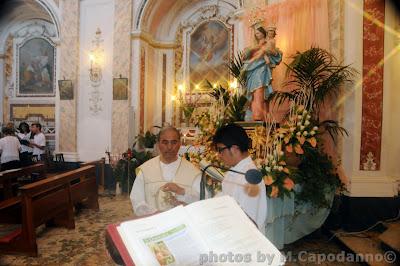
333, 128
236, 108
218, 93
317, 73
236, 68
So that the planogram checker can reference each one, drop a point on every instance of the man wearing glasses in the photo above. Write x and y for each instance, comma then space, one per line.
166, 180
232, 144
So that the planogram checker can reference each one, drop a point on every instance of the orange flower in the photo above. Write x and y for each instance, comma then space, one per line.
298, 149
313, 141
286, 139
274, 192
286, 170
289, 148
288, 183
301, 139
268, 180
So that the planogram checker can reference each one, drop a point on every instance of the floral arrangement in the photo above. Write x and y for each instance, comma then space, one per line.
298, 137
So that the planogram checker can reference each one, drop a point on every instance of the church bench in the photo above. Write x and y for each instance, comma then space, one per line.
47, 200
8, 177
100, 165
84, 186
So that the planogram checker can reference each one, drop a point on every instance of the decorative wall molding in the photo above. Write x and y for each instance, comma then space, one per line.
372, 85
146, 37
36, 28
379, 186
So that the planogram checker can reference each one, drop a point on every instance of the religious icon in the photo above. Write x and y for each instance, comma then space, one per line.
259, 61
66, 89
120, 89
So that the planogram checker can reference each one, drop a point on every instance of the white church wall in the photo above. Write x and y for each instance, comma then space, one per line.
94, 108
391, 115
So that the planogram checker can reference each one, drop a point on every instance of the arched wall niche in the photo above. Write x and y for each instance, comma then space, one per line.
163, 40
22, 21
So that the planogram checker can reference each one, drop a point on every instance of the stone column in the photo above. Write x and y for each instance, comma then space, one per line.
121, 68
69, 65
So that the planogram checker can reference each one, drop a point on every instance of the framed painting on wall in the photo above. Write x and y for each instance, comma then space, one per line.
36, 68
120, 89
66, 89
209, 54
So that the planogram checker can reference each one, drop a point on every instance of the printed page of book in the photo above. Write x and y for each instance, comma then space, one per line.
163, 239
231, 236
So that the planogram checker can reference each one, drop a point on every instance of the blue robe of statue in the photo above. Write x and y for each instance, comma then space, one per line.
259, 73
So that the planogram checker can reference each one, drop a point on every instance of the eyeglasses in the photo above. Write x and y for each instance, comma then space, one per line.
221, 149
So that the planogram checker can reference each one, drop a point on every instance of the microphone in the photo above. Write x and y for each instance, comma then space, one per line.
252, 176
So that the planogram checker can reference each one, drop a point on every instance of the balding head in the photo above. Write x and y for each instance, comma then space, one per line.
167, 129
169, 142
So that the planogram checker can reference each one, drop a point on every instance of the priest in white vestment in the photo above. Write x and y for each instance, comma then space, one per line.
166, 180
232, 144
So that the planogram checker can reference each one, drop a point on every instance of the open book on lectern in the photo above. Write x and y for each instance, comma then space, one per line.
209, 232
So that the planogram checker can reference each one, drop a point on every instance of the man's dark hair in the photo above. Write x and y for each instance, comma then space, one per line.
7, 131
23, 127
38, 125
232, 134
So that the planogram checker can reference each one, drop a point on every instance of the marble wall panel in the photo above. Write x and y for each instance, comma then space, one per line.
372, 86
121, 67
69, 64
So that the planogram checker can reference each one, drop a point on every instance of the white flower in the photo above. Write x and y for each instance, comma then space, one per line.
302, 127
298, 123
307, 123
298, 134
305, 112
315, 128
281, 153
308, 116
275, 167
268, 169
305, 133
281, 135
280, 168
312, 133
299, 117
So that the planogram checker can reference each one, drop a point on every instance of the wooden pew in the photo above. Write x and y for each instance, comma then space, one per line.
40, 202
45, 201
8, 177
99, 164
84, 186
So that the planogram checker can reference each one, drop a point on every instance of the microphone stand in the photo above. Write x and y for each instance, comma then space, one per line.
203, 178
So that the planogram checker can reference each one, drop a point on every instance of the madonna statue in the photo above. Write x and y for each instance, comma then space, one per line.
258, 64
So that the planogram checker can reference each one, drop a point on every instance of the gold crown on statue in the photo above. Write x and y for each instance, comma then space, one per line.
271, 28
257, 23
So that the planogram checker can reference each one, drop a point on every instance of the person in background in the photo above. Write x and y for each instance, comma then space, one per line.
9, 147
232, 143
166, 180
38, 142
24, 137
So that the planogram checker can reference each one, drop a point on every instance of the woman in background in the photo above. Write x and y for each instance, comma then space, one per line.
26, 151
9, 147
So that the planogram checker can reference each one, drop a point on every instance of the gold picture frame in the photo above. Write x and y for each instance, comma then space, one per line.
66, 89
120, 89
